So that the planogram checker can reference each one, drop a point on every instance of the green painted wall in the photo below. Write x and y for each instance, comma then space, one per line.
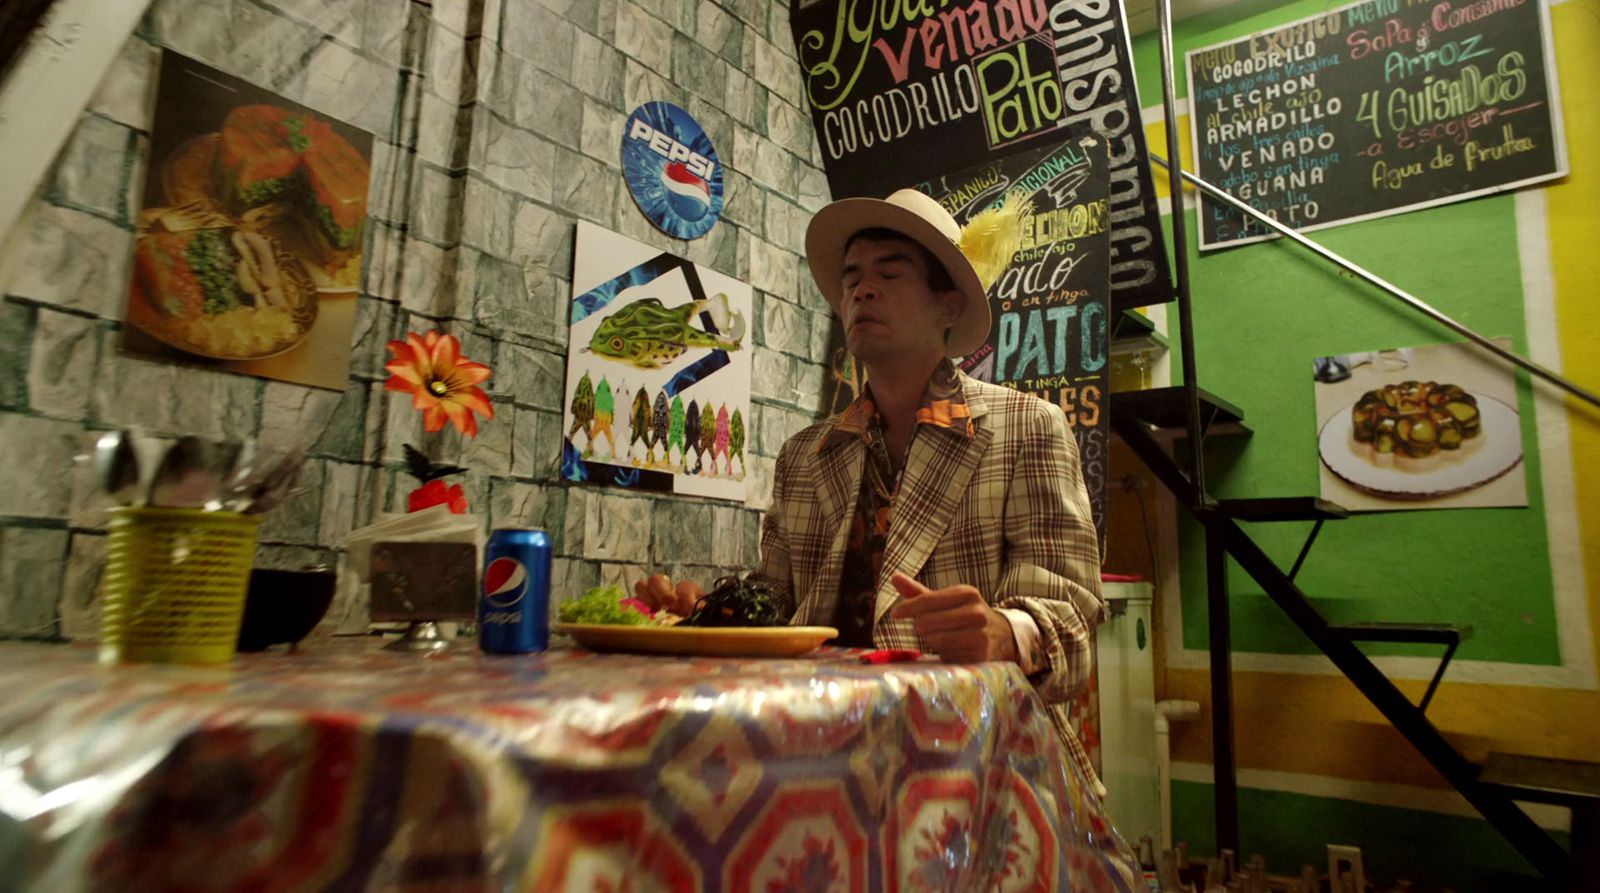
1432, 850
1262, 312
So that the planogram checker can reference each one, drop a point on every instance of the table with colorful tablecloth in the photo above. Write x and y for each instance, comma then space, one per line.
350, 768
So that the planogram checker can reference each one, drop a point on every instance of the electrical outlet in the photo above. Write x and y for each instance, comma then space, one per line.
1345, 872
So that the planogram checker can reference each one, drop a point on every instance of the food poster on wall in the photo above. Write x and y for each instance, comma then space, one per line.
1374, 108
901, 93
1050, 335
1430, 427
658, 371
249, 246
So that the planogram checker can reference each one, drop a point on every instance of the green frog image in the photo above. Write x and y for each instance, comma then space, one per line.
708, 437
583, 413
691, 437
736, 442
605, 408
643, 422
649, 335
661, 426
675, 431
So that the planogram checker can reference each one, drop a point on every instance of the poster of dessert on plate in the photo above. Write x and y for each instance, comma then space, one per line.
1434, 427
249, 245
658, 371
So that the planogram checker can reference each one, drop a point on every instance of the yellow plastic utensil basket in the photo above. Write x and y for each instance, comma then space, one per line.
175, 583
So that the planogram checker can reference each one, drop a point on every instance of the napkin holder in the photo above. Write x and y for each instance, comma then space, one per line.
419, 568
423, 583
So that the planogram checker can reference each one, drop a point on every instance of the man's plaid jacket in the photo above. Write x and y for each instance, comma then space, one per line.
1004, 511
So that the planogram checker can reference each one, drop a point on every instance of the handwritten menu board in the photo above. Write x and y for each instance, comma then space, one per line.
902, 91
1373, 109
1051, 331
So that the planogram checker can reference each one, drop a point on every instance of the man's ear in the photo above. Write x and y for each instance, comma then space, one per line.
951, 304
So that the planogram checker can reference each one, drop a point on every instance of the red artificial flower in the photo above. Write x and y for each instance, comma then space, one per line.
443, 384
434, 493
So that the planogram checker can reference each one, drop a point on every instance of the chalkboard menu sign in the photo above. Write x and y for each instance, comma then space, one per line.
902, 91
1373, 109
1051, 330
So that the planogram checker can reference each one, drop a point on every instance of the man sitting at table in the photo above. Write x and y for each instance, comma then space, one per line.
935, 512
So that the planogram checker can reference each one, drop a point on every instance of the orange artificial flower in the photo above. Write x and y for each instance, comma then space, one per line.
443, 384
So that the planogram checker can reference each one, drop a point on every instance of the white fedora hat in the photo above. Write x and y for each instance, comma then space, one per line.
919, 218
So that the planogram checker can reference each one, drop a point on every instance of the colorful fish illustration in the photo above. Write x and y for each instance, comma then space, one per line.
649, 335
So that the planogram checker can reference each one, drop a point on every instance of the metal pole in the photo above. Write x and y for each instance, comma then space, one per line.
1180, 256
1225, 781
1394, 290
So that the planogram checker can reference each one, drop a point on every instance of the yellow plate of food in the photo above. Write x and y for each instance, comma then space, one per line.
215, 290
772, 641
738, 617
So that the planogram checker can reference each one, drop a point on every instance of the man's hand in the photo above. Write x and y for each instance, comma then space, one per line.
955, 622
660, 594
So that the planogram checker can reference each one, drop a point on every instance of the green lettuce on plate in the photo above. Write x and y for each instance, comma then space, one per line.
603, 604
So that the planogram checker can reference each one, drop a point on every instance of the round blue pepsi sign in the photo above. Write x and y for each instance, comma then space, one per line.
672, 170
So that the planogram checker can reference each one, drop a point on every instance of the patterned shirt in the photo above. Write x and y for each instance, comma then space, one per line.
943, 407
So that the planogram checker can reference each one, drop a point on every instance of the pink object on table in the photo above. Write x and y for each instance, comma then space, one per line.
891, 656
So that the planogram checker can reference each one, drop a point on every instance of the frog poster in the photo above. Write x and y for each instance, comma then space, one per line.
657, 393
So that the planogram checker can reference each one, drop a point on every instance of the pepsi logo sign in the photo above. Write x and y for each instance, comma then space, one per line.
672, 170
687, 194
677, 154
505, 581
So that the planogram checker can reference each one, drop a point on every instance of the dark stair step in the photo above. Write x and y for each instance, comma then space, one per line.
1429, 633
1286, 508
1283, 508
1449, 635
1574, 784
1571, 783
1168, 408
1130, 324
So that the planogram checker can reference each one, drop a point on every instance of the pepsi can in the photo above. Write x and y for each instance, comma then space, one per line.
514, 609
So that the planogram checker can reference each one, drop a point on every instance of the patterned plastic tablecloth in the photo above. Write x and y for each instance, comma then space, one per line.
355, 769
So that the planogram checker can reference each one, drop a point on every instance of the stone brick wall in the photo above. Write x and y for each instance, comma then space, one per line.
497, 126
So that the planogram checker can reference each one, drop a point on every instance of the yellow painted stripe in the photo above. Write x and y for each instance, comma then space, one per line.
1320, 725
1574, 227
1155, 135
1398, 796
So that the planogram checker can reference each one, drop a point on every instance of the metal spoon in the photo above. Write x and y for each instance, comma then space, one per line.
240, 478
274, 486
217, 468
149, 452
176, 482
118, 467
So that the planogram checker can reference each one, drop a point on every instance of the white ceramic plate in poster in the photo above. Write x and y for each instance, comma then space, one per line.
1442, 474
